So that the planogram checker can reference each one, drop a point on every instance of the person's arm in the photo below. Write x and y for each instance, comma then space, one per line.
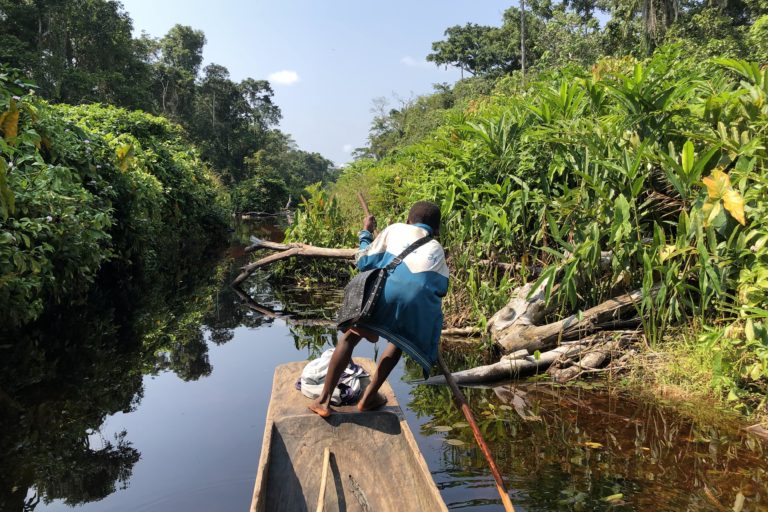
372, 251
366, 234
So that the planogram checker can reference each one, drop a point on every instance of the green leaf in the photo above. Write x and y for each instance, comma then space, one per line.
687, 156
124, 155
7, 199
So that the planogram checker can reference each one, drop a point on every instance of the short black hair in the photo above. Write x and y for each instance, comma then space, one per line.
425, 212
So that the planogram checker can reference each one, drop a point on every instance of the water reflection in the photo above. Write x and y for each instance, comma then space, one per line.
573, 448
61, 377
585, 449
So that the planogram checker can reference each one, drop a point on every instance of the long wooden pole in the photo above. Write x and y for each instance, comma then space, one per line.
462, 403
363, 204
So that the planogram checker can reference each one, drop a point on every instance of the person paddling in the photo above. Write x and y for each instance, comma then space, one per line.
408, 313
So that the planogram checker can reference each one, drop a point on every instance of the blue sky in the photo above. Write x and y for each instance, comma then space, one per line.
343, 53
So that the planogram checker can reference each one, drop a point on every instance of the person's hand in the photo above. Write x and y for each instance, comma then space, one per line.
369, 224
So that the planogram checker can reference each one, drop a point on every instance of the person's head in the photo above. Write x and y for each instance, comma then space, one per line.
425, 212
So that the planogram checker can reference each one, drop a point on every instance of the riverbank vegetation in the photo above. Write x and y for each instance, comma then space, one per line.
119, 153
642, 170
89, 190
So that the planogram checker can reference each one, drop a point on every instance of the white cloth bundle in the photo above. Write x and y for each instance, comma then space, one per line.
350, 387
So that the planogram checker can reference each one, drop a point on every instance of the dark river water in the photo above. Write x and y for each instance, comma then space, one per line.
156, 401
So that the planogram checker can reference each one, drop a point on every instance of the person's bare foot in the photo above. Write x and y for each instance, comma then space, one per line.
320, 409
369, 403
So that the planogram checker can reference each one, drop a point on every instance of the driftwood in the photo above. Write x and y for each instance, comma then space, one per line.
523, 335
511, 369
520, 312
514, 366
287, 251
593, 358
461, 331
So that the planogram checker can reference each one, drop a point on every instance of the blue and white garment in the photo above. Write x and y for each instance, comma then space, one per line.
409, 312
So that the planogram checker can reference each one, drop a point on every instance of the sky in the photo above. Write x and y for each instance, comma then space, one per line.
326, 59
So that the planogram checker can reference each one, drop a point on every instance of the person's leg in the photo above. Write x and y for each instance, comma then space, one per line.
339, 361
371, 397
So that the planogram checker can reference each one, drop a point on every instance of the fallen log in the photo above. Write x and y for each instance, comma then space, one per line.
514, 366
510, 369
258, 243
522, 335
520, 311
592, 359
287, 251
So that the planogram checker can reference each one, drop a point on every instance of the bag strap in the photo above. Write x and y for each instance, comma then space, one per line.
408, 250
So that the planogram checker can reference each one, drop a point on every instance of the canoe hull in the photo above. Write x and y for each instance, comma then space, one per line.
375, 463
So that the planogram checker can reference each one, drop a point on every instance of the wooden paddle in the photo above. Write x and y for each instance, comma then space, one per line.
462, 403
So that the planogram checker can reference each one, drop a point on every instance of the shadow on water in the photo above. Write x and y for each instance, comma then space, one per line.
574, 448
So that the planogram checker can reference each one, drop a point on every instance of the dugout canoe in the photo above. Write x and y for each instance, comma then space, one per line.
375, 464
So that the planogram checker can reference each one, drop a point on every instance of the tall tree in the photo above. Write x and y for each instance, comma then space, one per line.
76, 50
179, 55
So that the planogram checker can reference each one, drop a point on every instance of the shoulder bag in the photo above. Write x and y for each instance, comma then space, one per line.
363, 291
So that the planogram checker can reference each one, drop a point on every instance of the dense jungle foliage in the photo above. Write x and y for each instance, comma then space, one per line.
657, 164
93, 190
82, 51
90, 189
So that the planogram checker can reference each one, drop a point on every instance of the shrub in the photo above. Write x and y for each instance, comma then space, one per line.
81, 186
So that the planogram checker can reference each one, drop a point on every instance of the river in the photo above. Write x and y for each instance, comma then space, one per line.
157, 400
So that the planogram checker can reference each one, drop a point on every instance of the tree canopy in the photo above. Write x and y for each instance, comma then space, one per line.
83, 51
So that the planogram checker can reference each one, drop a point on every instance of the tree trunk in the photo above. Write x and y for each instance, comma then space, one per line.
288, 250
542, 337
511, 369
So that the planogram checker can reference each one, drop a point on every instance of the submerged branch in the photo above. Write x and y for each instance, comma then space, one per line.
296, 319
287, 316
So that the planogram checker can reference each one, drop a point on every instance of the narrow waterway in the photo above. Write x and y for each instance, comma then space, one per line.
159, 404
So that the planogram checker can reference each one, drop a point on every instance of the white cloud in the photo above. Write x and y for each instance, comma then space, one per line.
284, 77
347, 148
414, 63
